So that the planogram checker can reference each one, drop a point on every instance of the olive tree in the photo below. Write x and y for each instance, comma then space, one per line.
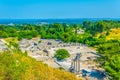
61, 54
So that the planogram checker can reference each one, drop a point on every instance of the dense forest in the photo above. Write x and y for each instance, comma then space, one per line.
111, 58
65, 32
95, 34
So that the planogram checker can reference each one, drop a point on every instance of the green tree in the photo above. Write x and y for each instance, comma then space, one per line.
61, 54
111, 58
4, 35
66, 37
76, 27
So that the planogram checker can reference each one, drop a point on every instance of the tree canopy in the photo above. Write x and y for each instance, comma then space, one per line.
111, 58
61, 54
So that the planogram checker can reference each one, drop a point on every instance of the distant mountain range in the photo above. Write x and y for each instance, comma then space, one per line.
49, 21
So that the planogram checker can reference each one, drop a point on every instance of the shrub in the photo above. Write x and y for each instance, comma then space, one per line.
61, 54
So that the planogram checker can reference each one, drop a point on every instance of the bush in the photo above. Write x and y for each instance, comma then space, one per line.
62, 54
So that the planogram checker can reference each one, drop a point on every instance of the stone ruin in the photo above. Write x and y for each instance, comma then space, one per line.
75, 65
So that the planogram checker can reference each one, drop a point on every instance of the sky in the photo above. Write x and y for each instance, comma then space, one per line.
35, 9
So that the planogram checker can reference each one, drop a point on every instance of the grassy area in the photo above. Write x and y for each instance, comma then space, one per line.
11, 39
19, 66
114, 34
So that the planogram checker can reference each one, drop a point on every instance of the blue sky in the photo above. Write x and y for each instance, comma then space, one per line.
32, 9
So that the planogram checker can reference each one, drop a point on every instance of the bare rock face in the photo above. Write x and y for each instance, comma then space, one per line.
3, 46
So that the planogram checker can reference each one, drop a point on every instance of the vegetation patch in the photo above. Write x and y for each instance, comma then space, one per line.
19, 66
61, 54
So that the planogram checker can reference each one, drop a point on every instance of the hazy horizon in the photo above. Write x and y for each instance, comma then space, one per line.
49, 21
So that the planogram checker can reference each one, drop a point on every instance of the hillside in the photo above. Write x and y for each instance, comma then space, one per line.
114, 34
18, 66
